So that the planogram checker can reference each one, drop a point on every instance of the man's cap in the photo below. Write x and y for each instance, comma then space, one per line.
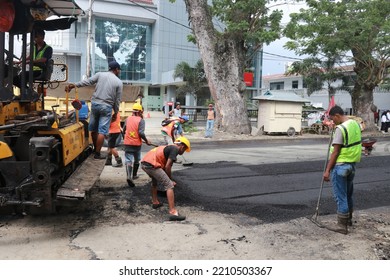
39, 31
186, 118
113, 65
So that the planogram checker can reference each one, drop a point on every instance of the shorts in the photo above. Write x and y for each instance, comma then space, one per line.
159, 177
100, 118
112, 140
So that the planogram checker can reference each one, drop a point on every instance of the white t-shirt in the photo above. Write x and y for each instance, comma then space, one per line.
338, 137
177, 112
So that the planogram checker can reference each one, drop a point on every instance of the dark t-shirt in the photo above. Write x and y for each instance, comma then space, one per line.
171, 151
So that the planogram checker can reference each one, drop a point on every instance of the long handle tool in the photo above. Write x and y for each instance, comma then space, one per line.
314, 218
186, 163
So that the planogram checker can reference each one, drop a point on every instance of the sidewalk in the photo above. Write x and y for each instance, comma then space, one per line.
153, 121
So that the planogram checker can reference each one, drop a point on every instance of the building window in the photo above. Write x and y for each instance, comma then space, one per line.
154, 91
126, 42
276, 85
294, 84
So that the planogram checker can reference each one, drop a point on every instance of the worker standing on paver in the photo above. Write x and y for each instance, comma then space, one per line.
105, 99
346, 151
157, 163
134, 133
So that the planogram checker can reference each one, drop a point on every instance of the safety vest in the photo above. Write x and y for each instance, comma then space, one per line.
132, 136
115, 126
351, 150
168, 129
156, 157
38, 55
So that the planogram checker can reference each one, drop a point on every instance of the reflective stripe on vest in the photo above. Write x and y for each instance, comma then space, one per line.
39, 55
132, 137
351, 150
156, 157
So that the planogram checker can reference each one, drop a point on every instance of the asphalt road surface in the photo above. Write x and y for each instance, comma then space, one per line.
275, 181
240, 199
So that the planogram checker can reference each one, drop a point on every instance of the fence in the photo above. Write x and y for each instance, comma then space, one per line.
197, 113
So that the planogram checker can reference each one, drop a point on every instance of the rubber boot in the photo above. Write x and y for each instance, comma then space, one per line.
119, 162
129, 170
341, 226
109, 160
350, 218
135, 170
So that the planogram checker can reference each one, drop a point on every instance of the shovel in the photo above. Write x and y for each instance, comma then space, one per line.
186, 163
314, 218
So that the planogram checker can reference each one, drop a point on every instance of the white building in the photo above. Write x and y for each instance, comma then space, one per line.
320, 98
148, 38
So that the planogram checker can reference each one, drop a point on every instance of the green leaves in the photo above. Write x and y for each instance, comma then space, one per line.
360, 27
317, 72
194, 77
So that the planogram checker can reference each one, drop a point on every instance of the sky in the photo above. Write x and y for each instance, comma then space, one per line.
275, 57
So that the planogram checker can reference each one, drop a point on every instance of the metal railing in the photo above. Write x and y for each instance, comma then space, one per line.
197, 113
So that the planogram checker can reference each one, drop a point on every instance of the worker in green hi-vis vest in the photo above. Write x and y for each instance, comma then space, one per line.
41, 55
345, 152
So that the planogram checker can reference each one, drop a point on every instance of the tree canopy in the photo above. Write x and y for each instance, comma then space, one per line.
194, 77
358, 30
317, 72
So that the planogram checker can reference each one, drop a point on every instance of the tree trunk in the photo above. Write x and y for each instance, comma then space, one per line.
362, 102
362, 96
223, 60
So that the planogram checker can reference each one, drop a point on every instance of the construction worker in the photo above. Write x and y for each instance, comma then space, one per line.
157, 163
113, 137
173, 129
134, 133
346, 151
105, 99
42, 53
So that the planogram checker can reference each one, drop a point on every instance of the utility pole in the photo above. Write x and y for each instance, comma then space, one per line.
89, 39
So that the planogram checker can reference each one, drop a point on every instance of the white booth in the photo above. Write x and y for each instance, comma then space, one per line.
280, 112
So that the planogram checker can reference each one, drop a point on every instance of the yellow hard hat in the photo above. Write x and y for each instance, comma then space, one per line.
185, 141
137, 107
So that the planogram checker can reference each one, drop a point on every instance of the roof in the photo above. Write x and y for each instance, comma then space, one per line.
56, 7
345, 69
279, 76
280, 95
148, 2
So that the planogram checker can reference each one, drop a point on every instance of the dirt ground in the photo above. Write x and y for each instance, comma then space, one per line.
117, 223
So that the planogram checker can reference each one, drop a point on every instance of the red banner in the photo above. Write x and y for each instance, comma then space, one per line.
248, 79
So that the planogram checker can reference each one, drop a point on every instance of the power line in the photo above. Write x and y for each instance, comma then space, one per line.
164, 17
283, 56
178, 23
